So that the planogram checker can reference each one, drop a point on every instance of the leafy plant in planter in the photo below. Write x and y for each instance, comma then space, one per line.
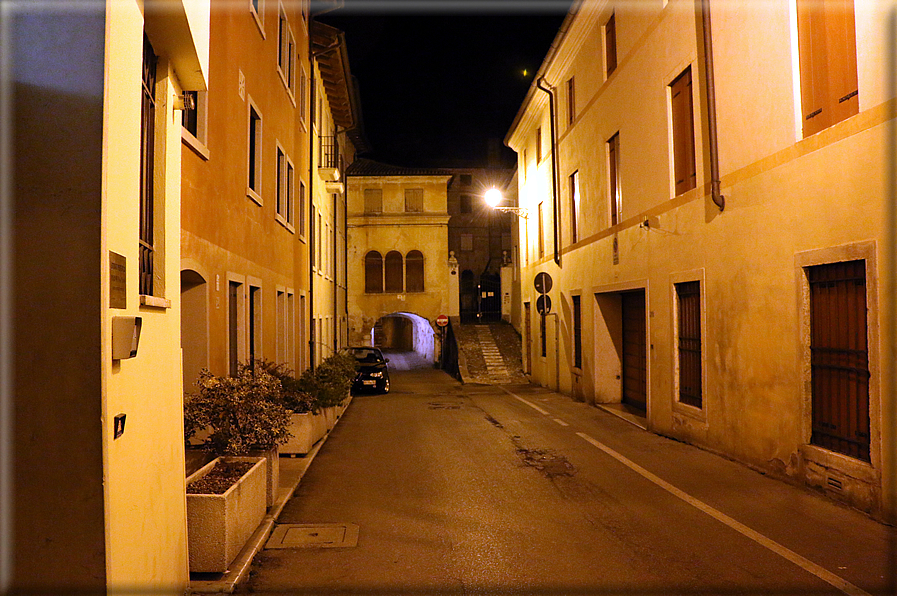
295, 396
244, 412
330, 381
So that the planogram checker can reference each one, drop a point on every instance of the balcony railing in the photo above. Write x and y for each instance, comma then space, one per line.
329, 157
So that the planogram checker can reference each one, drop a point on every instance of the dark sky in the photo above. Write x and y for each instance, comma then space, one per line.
436, 86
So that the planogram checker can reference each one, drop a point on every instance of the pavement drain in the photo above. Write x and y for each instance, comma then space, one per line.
313, 536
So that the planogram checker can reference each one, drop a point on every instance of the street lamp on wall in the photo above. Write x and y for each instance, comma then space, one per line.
493, 198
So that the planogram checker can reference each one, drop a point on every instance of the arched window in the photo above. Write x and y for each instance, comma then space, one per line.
373, 273
414, 271
394, 272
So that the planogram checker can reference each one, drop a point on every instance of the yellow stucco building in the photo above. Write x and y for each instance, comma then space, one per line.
400, 277
96, 500
706, 190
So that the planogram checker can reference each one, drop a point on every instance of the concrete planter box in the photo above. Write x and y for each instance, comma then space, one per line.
272, 469
218, 526
307, 429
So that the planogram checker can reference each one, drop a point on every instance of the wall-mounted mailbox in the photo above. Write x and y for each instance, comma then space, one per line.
125, 336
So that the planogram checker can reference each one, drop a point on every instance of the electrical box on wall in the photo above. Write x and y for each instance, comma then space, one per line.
125, 336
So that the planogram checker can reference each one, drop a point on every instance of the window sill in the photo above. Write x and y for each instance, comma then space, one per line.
257, 19
195, 144
254, 196
286, 85
154, 302
280, 219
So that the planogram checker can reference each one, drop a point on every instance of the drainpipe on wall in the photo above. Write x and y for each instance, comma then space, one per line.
554, 170
312, 111
715, 191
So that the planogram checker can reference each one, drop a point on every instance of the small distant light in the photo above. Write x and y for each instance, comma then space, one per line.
525, 72
493, 197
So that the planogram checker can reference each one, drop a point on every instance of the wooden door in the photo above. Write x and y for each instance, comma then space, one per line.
635, 375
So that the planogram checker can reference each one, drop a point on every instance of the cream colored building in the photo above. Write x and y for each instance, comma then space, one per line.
97, 446
749, 318
399, 275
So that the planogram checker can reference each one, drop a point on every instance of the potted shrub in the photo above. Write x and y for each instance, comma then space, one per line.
225, 505
307, 425
242, 415
330, 383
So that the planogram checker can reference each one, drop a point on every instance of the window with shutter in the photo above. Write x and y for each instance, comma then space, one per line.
414, 200
610, 44
828, 63
414, 271
373, 200
613, 170
373, 273
394, 273
683, 132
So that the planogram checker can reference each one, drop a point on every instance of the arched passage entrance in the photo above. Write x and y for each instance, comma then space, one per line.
405, 332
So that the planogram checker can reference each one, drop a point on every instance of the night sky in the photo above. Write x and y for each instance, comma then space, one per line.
436, 87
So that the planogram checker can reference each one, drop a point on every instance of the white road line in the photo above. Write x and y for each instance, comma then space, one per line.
820, 572
561, 422
530, 404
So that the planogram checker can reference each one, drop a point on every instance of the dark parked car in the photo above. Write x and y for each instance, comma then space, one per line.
370, 365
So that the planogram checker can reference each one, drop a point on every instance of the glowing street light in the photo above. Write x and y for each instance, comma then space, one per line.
493, 197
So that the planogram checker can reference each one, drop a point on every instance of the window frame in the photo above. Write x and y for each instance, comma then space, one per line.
373, 272
682, 126
571, 100
417, 194
286, 53
615, 195
414, 269
575, 205
258, 14
254, 161
373, 192
610, 45
146, 242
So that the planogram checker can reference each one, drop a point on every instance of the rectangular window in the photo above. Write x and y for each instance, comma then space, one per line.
688, 296
466, 204
538, 145
255, 324
610, 44
466, 242
574, 207
255, 153
281, 305
540, 229
373, 200
301, 208
284, 188
613, 170
319, 232
414, 200
571, 101
683, 132
303, 95
829, 90
542, 336
289, 339
286, 54
193, 117
839, 358
147, 161
233, 326
577, 332
313, 254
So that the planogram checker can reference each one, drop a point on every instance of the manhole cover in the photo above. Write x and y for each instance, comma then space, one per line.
313, 536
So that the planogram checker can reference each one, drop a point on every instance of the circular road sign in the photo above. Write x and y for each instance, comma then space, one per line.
442, 320
542, 283
543, 304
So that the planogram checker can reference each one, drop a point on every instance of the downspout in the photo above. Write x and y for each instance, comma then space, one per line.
715, 191
312, 111
554, 170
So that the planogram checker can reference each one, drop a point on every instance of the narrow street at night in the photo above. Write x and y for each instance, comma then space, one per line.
476, 489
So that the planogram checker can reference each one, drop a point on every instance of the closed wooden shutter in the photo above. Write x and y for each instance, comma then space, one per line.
414, 271
683, 132
373, 200
610, 44
394, 273
635, 353
373, 273
828, 66
613, 156
577, 332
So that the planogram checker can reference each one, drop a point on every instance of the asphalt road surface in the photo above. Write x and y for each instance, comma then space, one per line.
481, 490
